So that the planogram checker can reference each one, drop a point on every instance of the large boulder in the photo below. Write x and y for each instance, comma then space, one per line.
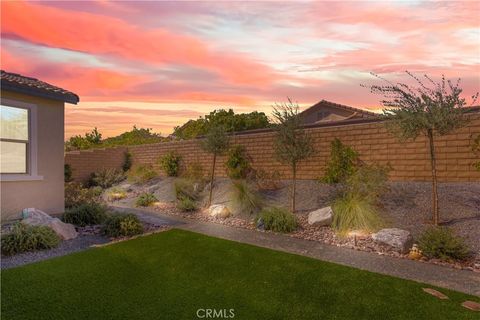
398, 239
36, 217
218, 211
321, 217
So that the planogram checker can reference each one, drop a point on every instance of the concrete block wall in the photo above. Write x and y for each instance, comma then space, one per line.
409, 160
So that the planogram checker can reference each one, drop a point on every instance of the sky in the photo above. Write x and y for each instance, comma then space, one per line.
158, 64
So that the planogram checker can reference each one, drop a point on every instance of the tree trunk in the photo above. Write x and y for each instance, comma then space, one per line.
294, 186
211, 180
436, 215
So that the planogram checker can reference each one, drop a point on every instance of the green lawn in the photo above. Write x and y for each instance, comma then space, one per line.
172, 274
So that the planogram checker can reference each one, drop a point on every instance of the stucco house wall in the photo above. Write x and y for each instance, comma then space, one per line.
45, 193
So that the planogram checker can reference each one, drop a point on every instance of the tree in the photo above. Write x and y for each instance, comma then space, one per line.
94, 139
427, 109
228, 119
292, 144
91, 140
216, 142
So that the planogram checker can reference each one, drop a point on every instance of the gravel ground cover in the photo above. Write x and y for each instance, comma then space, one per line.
406, 205
88, 237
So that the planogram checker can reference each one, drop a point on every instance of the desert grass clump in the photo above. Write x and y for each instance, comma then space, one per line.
122, 225
85, 214
186, 204
24, 238
145, 199
278, 219
442, 243
141, 173
106, 178
356, 208
368, 181
187, 193
186, 188
352, 212
245, 197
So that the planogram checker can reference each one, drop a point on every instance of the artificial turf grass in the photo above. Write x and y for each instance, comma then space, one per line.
172, 274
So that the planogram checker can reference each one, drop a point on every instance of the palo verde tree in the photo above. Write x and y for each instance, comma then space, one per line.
292, 143
427, 108
216, 142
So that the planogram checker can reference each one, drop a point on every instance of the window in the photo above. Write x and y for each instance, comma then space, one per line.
14, 139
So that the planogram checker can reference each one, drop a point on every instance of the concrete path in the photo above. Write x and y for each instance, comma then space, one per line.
460, 280
149, 216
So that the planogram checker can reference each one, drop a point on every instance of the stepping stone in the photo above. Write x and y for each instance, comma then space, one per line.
472, 305
435, 293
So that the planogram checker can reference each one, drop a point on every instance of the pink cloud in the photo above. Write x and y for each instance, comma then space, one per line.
99, 34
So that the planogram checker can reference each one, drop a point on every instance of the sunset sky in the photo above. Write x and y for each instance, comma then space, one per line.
158, 64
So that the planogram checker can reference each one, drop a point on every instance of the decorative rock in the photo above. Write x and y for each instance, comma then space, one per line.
472, 305
321, 217
398, 239
218, 211
435, 293
65, 230
37, 217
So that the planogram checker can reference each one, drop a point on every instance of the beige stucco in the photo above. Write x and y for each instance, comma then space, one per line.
46, 194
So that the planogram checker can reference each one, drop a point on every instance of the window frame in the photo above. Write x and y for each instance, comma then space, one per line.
31, 144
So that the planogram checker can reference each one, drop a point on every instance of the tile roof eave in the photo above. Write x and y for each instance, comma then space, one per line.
12, 86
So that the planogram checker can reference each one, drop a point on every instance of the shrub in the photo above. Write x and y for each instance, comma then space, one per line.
25, 238
127, 161
278, 219
106, 178
238, 164
342, 163
141, 173
245, 197
352, 212
170, 163
441, 243
186, 204
76, 194
185, 188
268, 180
116, 194
122, 225
67, 172
85, 214
368, 181
145, 199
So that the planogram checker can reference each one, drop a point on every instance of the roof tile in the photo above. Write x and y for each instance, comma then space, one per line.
27, 85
